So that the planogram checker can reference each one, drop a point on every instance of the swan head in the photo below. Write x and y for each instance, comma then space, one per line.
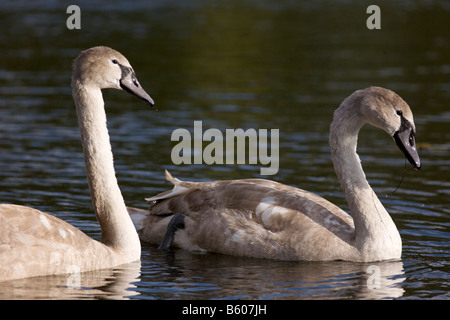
104, 67
386, 110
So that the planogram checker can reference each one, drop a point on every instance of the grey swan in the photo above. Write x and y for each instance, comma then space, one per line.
34, 243
265, 219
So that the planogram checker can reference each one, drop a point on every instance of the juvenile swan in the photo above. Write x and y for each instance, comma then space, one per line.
33, 243
265, 219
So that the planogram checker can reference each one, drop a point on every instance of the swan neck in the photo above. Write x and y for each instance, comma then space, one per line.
343, 143
372, 221
109, 206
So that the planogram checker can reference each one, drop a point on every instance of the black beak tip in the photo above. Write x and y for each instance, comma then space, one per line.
417, 165
150, 101
414, 159
405, 142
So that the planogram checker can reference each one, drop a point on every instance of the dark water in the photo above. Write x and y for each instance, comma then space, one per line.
231, 64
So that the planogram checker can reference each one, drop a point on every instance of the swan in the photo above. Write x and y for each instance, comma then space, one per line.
265, 219
34, 243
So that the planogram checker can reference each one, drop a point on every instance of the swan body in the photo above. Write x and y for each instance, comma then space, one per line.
34, 243
265, 219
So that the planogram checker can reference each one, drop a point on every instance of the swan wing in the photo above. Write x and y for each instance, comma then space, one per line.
250, 217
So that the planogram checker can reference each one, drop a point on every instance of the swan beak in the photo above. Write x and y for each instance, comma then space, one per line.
407, 144
130, 84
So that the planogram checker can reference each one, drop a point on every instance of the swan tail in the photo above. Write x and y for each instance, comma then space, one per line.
179, 187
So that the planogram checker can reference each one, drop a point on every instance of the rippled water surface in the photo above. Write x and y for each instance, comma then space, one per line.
231, 64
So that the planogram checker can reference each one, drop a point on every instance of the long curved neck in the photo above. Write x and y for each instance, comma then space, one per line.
118, 231
373, 225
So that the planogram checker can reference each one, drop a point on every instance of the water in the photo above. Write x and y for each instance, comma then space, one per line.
231, 64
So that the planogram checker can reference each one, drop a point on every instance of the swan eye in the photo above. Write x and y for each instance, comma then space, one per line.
411, 139
399, 112
115, 61
136, 83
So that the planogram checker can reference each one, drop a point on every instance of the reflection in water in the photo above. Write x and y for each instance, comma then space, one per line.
224, 277
114, 283
184, 275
